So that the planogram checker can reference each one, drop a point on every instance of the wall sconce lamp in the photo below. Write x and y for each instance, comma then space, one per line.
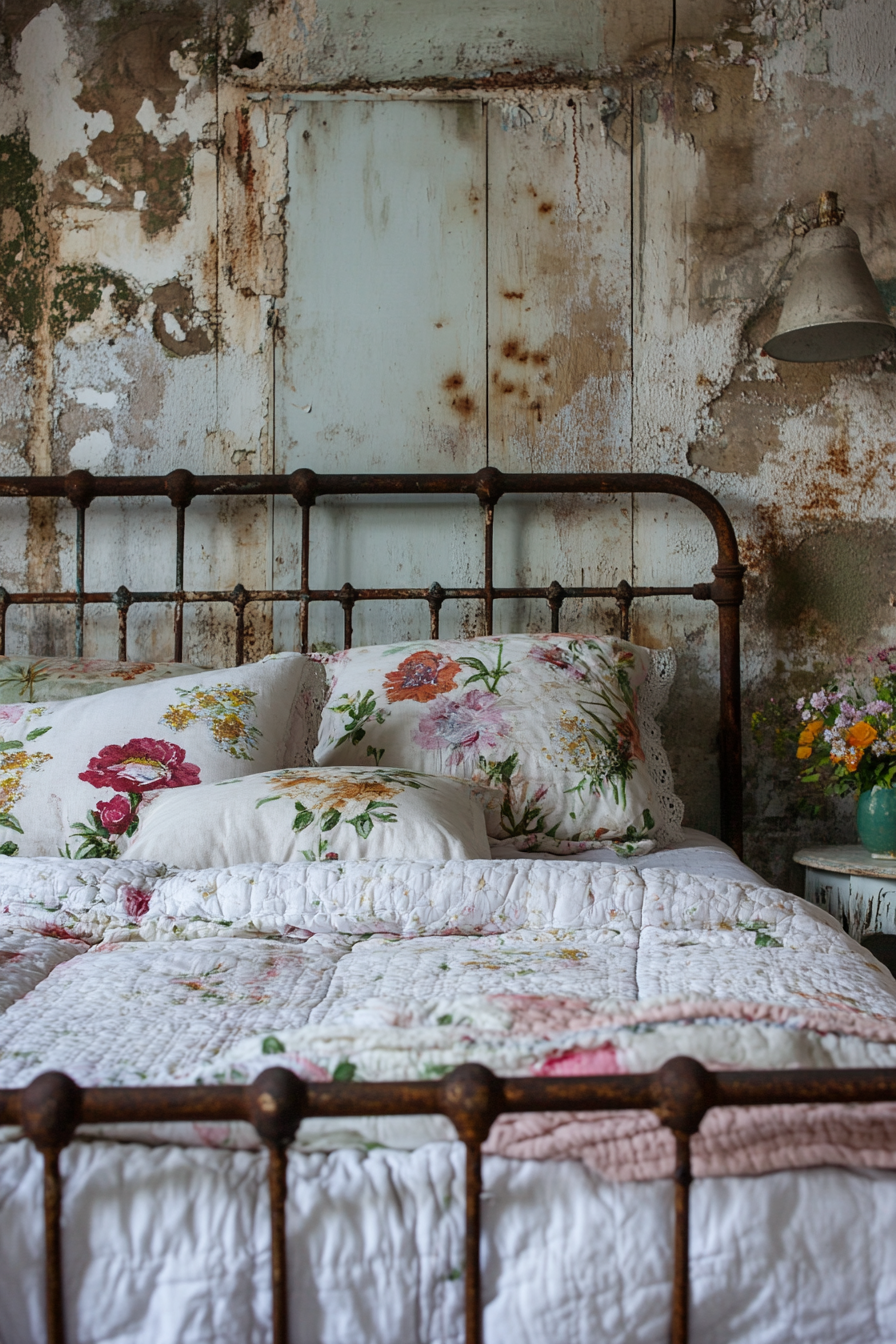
833, 309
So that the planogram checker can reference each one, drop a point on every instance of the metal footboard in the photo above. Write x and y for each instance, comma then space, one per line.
52, 1107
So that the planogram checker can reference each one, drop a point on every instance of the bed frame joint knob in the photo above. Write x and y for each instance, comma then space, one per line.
51, 1111
472, 1098
277, 1100
683, 1091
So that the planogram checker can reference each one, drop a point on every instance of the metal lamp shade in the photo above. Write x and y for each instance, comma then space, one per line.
833, 309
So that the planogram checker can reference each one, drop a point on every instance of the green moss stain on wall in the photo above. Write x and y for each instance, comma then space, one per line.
24, 249
78, 292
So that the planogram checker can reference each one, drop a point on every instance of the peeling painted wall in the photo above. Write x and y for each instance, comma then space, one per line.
643, 173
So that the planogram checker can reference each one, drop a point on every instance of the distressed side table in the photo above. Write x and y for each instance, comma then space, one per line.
856, 889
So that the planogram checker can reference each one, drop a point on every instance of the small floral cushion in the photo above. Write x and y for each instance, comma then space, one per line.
547, 725
24, 679
312, 814
77, 775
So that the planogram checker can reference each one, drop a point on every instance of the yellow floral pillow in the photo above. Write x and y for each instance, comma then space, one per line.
76, 776
314, 814
547, 725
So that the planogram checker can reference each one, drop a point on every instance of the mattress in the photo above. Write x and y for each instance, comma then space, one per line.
574, 965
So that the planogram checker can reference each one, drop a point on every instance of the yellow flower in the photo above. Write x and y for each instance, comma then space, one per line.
230, 728
179, 717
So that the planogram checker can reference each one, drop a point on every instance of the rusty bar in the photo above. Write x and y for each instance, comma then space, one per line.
332, 595
347, 597
681, 1262
488, 594
728, 594
624, 595
240, 598
435, 597
305, 580
179, 582
122, 602
277, 1159
4, 607
53, 1248
555, 595
472, 1258
80, 521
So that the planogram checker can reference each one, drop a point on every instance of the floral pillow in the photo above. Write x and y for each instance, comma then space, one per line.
76, 776
547, 725
312, 814
26, 679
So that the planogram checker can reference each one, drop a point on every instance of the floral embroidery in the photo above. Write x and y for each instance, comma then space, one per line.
136, 902
326, 801
422, 677
138, 767
546, 726
466, 726
24, 677
225, 709
13, 765
561, 660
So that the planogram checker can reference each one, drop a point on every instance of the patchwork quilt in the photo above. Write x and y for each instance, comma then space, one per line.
125, 973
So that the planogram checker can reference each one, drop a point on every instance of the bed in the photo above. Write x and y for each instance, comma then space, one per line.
546, 1088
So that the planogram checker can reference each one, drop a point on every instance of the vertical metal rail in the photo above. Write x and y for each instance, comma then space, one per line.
239, 599
555, 596
435, 597
347, 597
681, 1289
472, 1236
122, 602
277, 1159
277, 1101
180, 526
4, 607
80, 520
305, 583
471, 1097
50, 1112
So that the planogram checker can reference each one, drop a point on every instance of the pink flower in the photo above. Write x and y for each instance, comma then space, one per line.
11, 714
560, 659
142, 764
136, 902
468, 726
116, 814
581, 1063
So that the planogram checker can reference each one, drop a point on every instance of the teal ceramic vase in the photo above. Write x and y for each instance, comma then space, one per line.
876, 821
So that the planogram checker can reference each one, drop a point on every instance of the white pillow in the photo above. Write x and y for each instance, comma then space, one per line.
547, 724
76, 775
312, 814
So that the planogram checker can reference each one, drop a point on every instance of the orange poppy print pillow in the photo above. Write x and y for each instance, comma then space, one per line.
546, 726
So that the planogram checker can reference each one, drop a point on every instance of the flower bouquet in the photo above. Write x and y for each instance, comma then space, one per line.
848, 743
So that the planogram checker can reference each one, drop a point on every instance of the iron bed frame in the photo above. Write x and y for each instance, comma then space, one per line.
52, 1107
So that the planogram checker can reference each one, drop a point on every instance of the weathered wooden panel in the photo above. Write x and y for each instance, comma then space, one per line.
559, 317
382, 361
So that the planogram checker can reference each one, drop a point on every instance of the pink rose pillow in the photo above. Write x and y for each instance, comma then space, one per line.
547, 726
76, 775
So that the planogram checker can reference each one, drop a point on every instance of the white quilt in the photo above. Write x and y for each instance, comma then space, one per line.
124, 973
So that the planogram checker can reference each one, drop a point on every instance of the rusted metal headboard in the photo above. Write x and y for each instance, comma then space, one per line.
489, 485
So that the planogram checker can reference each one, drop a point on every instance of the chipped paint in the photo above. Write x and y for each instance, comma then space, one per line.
634, 191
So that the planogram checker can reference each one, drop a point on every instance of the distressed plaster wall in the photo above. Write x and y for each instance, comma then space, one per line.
144, 264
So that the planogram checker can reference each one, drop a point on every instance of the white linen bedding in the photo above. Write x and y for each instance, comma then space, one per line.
549, 966
375, 1251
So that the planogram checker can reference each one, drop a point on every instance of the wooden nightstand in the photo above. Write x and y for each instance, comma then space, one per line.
856, 889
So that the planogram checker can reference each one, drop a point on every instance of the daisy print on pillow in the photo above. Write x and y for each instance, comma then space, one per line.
546, 726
